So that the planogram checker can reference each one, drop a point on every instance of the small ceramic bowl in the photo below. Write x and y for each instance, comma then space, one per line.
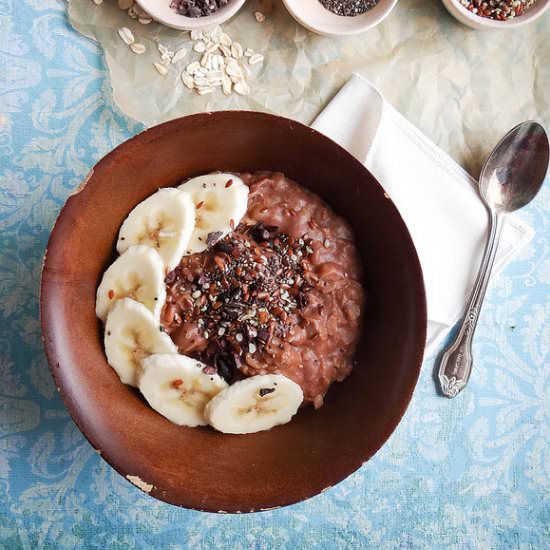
198, 467
162, 12
474, 21
313, 16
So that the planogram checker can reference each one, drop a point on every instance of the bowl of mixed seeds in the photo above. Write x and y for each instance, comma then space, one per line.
496, 14
191, 15
339, 17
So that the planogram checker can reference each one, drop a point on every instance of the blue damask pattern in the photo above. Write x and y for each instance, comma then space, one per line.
469, 473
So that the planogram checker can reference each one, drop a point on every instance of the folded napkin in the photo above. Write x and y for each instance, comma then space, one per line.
437, 199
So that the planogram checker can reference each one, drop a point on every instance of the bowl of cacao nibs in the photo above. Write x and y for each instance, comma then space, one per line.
339, 17
191, 15
496, 14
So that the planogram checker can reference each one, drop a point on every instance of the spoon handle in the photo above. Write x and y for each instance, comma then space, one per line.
456, 362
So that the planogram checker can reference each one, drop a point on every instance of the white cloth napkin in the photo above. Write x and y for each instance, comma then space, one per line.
436, 198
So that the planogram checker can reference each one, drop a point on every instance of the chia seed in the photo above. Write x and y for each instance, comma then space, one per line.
500, 10
348, 8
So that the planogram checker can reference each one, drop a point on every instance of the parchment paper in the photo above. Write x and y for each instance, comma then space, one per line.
463, 88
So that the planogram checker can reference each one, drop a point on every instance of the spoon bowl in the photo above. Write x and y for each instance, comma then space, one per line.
515, 170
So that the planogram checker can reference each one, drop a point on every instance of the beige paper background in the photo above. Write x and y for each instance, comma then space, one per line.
463, 88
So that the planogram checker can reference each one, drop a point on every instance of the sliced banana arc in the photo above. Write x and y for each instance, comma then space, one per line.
136, 274
163, 221
220, 200
177, 387
254, 404
132, 334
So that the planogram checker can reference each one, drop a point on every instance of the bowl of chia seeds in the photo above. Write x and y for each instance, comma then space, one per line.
191, 15
496, 14
339, 17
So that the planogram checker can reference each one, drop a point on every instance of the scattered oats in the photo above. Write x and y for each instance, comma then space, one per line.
125, 4
98, 2
137, 48
179, 55
225, 39
203, 90
145, 20
132, 12
256, 58
239, 337
246, 70
251, 348
160, 68
236, 50
241, 87
226, 85
233, 68
221, 331
326, 243
199, 47
196, 294
201, 81
126, 35
205, 59
215, 34
192, 67
260, 17
215, 74
211, 47
225, 50
219, 64
206, 335
215, 80
187, 80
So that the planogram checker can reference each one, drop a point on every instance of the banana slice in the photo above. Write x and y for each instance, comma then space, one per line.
131, 334
254, 404
137, 274
220, 200
164, 221
177, 387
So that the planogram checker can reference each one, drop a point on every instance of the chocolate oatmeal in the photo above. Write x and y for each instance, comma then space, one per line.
280, 294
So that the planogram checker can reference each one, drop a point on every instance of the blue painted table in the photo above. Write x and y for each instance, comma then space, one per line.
469, 473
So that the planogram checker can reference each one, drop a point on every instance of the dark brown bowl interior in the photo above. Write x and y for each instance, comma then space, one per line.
197, 467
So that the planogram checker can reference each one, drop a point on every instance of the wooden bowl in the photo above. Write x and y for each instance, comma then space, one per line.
198, 467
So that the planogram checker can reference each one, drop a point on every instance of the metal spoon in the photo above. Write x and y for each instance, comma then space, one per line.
512, 176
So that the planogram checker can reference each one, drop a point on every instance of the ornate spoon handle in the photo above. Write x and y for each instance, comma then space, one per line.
456, 362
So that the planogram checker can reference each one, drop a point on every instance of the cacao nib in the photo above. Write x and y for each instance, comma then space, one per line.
213, 237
